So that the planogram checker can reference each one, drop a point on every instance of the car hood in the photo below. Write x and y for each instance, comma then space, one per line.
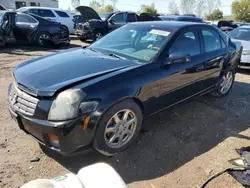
46, 75
88, 13
244, 43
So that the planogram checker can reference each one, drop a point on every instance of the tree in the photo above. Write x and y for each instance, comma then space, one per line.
241, 10
114, 2
75, 3
200, 9
108, 8
187, 6
95, 5
173, 8
148, 9
217, 14
211, 5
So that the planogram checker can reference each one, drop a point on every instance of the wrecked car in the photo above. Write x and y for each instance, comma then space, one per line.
97, 26
28, 28
227, 25
97, 96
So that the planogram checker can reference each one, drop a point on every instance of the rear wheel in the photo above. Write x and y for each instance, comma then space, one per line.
42, 38
82, 39
118, 128
65, 31
225, 83
97, 35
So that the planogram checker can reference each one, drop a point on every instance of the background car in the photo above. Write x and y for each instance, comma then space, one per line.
181, 18
98, 96
78, 19
242, 35
227, 25
98, 25
54, 14
28, 28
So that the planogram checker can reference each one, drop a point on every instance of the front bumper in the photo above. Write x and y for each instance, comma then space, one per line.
72, 138
245, 60
86, 34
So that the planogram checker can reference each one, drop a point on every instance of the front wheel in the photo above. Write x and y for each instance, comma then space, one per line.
225, 83
118, 128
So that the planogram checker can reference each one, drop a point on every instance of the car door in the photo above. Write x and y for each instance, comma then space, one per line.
215, 54
183, 80
25, 26
117, 21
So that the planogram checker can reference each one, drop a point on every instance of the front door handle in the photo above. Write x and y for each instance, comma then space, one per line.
32, 26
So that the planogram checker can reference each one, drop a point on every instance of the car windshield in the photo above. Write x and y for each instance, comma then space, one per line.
133, 42
1, 16
240, 34
104, 16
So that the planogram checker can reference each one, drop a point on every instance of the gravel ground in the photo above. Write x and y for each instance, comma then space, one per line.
180, 147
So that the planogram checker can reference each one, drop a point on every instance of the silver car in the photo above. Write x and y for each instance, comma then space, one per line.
242, 34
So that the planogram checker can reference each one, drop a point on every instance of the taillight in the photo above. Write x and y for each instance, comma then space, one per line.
74, 20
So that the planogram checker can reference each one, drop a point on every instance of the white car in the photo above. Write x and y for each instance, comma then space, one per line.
54, 14
242, 34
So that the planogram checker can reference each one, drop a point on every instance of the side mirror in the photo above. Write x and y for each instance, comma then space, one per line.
177, 58
111, 22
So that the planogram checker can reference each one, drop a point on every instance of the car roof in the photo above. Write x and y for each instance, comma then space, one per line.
46, 8
167, 24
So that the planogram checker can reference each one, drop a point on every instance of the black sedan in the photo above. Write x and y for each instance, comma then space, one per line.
29, 28
98, 96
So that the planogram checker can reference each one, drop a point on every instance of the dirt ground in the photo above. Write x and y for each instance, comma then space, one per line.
180, 147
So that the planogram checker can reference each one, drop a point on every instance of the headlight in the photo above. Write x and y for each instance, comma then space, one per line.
66, 105
246, 52
86, 25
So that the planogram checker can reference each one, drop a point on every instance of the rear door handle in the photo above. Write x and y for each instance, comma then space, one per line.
200, 68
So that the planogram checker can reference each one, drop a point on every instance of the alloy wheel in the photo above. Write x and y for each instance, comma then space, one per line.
98, 35
226, 82
120, 128
42, 38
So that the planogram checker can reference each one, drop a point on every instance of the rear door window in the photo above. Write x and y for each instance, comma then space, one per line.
212, 40
34, 11
131, 18
46, 13
62, 14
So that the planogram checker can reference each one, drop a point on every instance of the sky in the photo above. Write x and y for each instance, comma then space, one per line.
134, 5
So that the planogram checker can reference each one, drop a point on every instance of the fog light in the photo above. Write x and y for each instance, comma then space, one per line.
54, 140
86, 122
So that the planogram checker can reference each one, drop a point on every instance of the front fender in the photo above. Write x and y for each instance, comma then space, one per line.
116, 96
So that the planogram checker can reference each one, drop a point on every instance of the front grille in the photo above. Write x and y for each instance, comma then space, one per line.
22, 102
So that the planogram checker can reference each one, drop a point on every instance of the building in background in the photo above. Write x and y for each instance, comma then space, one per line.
16, 4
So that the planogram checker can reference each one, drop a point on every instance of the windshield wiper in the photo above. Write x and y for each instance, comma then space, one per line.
116, 56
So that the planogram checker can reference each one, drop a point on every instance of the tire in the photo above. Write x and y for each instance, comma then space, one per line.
65, 31
218, 91
97, 35
102, 135
82, 39
41, 35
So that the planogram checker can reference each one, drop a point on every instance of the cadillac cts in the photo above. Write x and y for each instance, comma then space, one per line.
98, 96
